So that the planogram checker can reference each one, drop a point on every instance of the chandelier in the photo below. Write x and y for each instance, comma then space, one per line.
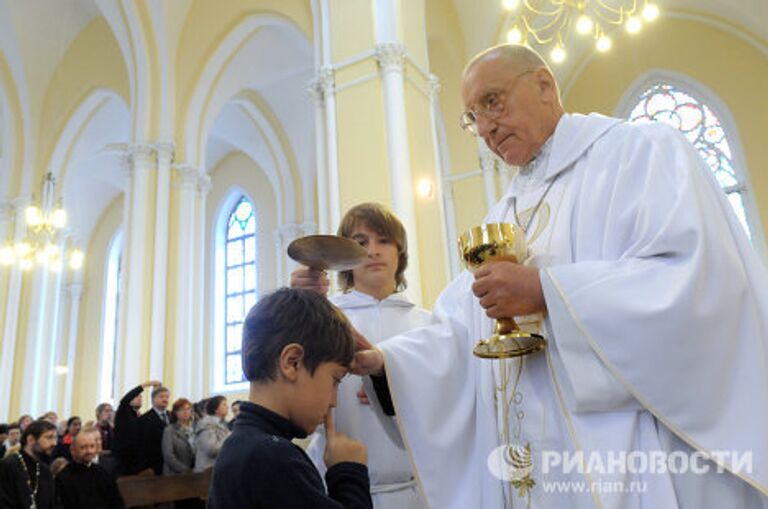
43, 242
550, 22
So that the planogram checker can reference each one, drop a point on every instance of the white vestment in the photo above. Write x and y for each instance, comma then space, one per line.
392, 482
656, 326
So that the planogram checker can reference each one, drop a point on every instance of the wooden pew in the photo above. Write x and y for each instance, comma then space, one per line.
147, 490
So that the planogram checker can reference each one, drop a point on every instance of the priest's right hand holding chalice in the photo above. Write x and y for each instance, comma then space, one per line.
505, 287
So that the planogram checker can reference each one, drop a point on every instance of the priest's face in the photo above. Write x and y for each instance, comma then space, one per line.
84, 448
45, 444
515, 108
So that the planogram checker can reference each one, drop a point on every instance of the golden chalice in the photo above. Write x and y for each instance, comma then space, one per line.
499, 241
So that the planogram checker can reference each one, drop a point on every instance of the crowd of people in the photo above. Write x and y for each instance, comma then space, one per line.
48, 463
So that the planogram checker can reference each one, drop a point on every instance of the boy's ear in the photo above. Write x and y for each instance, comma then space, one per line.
291, 360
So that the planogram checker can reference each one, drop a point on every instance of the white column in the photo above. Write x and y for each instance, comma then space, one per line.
136, 267
327, 83
488, 168
120, 346
391, 58
10, 323
186, 184
74, 292
160, 265
315, 89
52, 335
283, 236
201, 345
35, 371
444, 187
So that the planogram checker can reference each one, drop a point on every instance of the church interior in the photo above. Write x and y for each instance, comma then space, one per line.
157, 157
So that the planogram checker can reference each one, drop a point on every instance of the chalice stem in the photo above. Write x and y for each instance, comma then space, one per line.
505, 326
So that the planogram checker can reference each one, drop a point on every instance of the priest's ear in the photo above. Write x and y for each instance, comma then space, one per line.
291, 361
547, 86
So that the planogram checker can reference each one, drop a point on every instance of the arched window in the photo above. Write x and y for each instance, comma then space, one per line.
664, 102
112, 291
237, 270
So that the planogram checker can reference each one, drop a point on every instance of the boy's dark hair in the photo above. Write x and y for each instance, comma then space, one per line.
383, 221
292, 315
212, 404
36, 429
14, 425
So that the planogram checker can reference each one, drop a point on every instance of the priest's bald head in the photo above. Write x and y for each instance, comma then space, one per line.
511, 100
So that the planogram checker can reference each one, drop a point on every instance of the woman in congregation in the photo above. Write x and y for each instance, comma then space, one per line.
211, 432
178, 444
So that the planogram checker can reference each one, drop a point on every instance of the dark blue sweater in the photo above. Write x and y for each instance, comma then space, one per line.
259, 467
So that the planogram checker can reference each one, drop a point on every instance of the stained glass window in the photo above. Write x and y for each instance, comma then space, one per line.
666, 103
239, 284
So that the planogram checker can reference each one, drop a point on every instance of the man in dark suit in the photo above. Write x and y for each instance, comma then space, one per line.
152, 424
127, 443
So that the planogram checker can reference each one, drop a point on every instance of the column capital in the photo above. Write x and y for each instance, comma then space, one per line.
74, 291
326, 80
142, 153
315, 91
186, 176
204, 185
6, 209
309, 228
288, 231
434, 86
165, 150
487, 161
390, 56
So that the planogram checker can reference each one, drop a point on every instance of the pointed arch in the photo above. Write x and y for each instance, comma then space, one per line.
679, 100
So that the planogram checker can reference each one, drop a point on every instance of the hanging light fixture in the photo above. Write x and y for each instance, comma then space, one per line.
42, 245
550, 22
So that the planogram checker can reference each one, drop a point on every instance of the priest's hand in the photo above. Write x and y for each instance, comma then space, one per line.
310, 279
340, 448
368, 359
508, 289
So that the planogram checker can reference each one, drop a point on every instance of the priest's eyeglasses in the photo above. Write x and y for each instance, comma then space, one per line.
490, 106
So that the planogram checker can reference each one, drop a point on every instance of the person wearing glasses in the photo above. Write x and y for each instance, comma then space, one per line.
651, 298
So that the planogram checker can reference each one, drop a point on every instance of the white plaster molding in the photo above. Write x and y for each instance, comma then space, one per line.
391, 56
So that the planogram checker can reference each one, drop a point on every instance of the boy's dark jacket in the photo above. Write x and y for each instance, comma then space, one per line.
259, 467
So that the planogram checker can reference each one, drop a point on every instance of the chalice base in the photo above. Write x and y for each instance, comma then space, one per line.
512, 344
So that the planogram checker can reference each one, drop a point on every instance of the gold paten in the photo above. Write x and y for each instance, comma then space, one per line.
499, 241
327, 252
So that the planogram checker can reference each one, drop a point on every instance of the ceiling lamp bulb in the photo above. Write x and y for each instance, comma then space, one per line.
76, 259
510, 5
584, 25
22, 249
514, 36
650, 12
633, 25
33, 216
6, 255
59, 219
558, 54
603, 44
